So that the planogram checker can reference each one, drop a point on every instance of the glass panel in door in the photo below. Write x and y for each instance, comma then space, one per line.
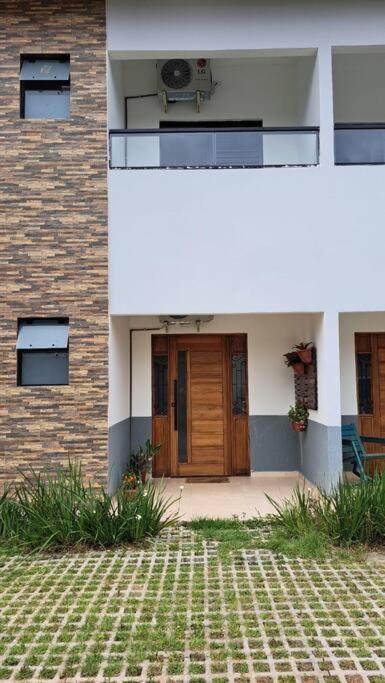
181, 406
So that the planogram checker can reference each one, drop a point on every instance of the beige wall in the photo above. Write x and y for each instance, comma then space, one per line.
271, 387
277, 90
359, 87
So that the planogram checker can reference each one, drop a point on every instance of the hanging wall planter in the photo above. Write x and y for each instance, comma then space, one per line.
298, 368
305, 352
303, 359
294, 361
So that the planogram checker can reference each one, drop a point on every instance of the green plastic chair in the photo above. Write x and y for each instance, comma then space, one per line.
353, 449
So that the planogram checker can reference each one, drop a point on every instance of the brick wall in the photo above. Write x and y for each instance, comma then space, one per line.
55, 236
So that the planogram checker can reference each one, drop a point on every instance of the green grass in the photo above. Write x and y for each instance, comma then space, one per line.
209, 524
210, 594
290, 532
234, 534
111, 613
307, 545
230, 534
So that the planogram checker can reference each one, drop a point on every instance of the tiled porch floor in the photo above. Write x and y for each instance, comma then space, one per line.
241, 496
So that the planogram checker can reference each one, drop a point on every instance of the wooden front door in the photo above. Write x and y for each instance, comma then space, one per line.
370, 367
200, 411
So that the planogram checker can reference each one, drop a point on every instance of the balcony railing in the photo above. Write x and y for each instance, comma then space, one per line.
214, 147
360, 143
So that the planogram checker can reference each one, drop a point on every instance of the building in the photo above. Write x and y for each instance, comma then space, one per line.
254, 207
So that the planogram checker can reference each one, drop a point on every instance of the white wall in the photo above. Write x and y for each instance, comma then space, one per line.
278, 90
308, 91
119, 370
271, 386
326, 339
268, 240
115, 94
269, 336
135, 27
264, 240
359, 88
349, 324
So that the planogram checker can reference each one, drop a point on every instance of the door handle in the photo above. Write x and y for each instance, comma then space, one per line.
175, 405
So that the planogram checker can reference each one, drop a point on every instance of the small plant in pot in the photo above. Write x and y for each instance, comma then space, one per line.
298, 416
130, 484
294, 361
305, 352
141, 461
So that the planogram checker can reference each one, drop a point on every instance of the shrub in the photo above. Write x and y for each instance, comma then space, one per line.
294, 514
349, 515
354, 514
10, 517
294, 531
141, 461
62, 511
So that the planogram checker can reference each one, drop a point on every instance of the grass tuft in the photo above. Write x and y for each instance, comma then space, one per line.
348, 516
211, 523
61, 511
231, 534
309, 544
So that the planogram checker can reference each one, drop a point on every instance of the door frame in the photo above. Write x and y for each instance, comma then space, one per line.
236, 428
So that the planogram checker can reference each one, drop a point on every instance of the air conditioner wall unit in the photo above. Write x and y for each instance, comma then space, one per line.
182, 79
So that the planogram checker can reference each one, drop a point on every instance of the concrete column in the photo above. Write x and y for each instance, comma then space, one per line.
118, 409
325, 83
321, 445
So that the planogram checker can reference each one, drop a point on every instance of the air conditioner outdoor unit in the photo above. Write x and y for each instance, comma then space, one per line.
184, 79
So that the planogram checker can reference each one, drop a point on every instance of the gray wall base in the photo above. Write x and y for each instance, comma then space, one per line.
274, 446
119, 446
141, 430
118, 453
321, 454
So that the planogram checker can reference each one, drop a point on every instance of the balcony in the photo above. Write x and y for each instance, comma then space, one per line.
189, 148
362, 144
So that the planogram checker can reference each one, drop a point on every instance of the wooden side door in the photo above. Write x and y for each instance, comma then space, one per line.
370, 369
161, 402
239, 411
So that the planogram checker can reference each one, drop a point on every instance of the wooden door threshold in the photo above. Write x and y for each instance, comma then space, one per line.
207, 480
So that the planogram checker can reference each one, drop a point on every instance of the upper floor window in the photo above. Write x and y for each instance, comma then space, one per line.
45, 87
42, 351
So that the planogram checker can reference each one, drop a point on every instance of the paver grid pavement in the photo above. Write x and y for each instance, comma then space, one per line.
182, 611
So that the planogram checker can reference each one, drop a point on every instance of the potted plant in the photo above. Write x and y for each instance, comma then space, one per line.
141, 461
298, 416
305, 352
129, 484
294, 361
